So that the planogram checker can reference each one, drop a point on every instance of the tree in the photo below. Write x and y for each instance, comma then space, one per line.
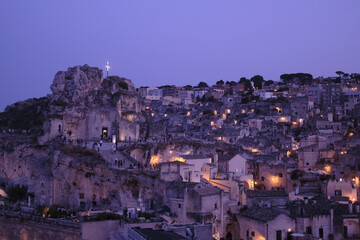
355, 76
340, 73
268, 83
242, 80
257, 80
220, 82
248, 86
202, 85
301, 78
188, 87
232, 83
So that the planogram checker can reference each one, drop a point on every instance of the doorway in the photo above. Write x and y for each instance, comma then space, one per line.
104, 133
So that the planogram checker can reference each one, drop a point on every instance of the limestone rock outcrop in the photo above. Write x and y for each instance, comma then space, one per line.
76, 82
86, 106
83, 108
70, 176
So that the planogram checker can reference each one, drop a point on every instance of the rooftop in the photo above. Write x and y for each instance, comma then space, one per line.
224, 158
207, 191
266, 193
260, 214
196, 156
148, 233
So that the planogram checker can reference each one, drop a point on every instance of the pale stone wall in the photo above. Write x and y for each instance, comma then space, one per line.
257, 123
274, 176
228, 186
178, 209
346, 187
24, 229
281, 222
315, 223
259, 230
216, 204
314, 139
98, 230
198, 163
307, 159
211, 203
168, 100
169, 171
353, 227
237, 166
208, 171
189, 173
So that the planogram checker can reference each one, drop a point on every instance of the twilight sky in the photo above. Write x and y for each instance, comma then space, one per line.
174, 42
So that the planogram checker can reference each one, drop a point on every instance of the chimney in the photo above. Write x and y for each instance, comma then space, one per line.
215, 158
350, 207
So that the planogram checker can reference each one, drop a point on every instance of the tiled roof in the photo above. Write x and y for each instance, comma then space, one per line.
224, 158
266, 193
318, 205
207, 191
260, 214
196, 156
158, 234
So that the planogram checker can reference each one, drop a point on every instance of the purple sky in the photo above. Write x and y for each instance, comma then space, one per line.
174, 42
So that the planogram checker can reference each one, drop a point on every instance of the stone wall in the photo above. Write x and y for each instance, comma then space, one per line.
19, 228
98, 230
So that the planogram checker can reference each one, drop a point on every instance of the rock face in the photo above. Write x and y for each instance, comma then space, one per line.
86, 106
83, 106
76, 82
72, 176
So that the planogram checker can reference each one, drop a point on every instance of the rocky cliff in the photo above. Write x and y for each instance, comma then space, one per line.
36, 136
73, 177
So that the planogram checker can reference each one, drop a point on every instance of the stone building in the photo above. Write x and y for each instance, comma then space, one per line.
85, 106
264, 223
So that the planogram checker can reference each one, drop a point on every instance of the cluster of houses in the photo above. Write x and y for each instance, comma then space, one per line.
289, 168
272, 160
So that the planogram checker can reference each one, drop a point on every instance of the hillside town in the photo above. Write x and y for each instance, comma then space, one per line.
239, 160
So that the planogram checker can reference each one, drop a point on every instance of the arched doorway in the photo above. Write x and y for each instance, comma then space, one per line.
24, 235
